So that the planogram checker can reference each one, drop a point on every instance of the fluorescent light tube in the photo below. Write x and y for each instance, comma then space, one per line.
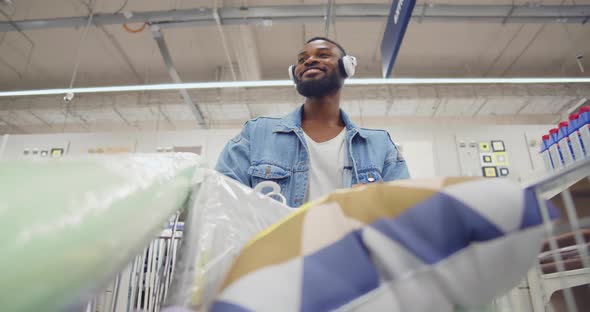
285, 83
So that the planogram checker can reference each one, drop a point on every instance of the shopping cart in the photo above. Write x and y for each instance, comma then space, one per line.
554, 283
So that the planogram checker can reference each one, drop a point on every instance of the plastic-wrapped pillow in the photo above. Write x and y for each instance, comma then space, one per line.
68, 225
413, 245
223, 216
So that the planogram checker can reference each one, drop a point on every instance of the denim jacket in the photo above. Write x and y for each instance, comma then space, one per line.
274, 149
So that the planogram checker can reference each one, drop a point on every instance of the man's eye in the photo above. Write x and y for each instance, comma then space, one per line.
324, 55
301, 60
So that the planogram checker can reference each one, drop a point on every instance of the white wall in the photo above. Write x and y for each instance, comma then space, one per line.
525, 162
77, 144
429, 150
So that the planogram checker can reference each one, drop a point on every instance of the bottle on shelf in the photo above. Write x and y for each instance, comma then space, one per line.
545, 152
574, 135
564, 143
584, 127
554, 149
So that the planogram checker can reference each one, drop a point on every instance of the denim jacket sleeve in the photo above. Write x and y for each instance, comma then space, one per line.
234, 160
395, 167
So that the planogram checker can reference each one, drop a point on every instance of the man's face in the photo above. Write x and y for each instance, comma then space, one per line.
317, 73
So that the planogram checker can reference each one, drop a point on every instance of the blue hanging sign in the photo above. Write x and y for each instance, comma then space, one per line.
397, 22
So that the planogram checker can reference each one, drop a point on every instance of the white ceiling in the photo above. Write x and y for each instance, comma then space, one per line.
110, 55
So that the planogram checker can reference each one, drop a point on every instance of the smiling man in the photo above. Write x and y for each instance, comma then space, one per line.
316, 149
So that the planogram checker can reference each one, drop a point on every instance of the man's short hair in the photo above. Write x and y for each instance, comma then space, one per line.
330, 41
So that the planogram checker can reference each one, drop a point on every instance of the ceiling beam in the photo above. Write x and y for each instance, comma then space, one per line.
45, 122
230, 63
12, 125
243, 39
239, 56
124, 56
243, 42
194, 107
571, 14
329, 17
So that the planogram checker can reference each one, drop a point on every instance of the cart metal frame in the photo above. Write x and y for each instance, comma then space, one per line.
542, 286
143, 284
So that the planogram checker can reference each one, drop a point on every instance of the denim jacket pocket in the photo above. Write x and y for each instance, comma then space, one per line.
268, 172
370, 176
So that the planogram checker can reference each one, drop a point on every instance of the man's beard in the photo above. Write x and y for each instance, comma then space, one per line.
319, 87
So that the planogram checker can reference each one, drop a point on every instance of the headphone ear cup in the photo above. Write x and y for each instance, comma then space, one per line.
291, 72
348, 64
342, 67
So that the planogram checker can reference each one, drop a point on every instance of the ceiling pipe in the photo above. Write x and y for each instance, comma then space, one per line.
194, 107
570, 14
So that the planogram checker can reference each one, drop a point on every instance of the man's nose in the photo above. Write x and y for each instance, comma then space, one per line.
311, 60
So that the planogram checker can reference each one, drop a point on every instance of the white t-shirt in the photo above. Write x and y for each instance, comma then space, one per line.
326, 165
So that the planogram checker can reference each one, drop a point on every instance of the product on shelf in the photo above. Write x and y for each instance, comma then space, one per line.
555, 150
569, 142
545, 152
574, 135
564, 143
584, 126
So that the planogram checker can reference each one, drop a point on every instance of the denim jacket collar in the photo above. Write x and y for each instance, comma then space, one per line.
292, 122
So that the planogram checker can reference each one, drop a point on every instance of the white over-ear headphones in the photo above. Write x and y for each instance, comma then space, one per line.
347, 65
